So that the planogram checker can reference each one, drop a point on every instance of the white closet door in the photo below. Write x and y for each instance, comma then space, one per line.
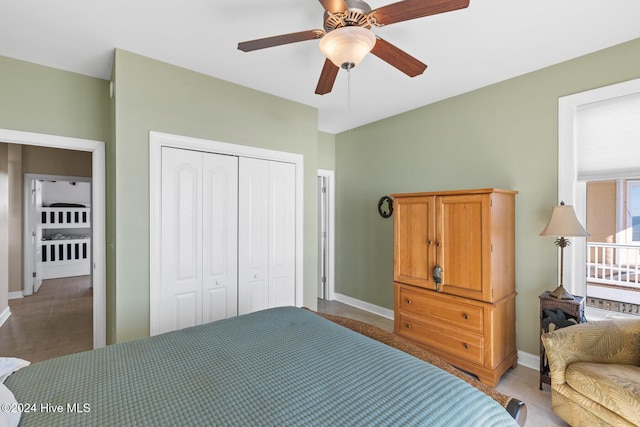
220, 237
181, 237
266, 230
253, 235
282, 238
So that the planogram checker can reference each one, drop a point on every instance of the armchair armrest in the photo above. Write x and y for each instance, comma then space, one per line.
615, 341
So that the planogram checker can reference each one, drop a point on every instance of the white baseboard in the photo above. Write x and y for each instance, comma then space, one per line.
4, 316
15, 295
528, 360
363, 305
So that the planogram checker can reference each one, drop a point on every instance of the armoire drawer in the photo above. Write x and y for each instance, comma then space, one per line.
439, 336
432, 304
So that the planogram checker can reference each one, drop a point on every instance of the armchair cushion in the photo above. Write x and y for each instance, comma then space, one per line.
607, 341
595, 377
616, 387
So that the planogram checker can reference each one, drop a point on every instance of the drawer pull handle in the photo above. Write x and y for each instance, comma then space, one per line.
408, 301
407, 325
466, 316
466, 346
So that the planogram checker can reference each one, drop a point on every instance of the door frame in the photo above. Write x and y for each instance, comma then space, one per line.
331, 221
98, 208
157, 140
29, 213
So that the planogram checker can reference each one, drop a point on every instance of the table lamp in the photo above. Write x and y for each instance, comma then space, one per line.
563, 223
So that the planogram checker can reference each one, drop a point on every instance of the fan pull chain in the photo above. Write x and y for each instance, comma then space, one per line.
349, 89
349, 98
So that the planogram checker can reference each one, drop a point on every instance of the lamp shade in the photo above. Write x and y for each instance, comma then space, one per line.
564, 222
347, 46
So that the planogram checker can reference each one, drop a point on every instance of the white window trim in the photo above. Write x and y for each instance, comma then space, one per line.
571, 191
628, 221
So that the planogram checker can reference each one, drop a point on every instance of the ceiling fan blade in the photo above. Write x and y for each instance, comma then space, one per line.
334, 6
412, 9
398, 58
301, 36
327, 77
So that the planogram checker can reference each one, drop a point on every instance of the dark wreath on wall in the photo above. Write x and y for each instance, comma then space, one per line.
385, 206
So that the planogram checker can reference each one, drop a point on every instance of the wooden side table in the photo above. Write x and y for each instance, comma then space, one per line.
555, 314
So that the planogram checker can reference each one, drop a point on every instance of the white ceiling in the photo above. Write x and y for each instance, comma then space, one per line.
490, 41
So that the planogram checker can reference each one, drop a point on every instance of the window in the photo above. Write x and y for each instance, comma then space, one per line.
632, 211
613, 258
599, 146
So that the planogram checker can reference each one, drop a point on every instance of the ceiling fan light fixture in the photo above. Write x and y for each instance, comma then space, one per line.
347, 46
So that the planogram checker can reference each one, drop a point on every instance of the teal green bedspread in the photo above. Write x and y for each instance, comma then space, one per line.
278, 367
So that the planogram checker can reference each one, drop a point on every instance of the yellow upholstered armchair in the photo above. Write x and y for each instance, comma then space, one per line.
595, 372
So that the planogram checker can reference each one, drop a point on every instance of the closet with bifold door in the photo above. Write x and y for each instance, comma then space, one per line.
227, 236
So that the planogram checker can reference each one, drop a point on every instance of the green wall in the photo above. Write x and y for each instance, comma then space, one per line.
39, 99
154, 96
504, 135
326, 151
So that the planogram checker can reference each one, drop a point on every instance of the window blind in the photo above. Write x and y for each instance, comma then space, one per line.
608, 139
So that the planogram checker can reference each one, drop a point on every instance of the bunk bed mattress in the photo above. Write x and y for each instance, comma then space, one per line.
282, 366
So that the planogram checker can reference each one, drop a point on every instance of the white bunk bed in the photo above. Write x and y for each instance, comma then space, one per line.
66, 240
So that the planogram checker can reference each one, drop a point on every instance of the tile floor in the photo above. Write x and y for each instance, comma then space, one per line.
58, 321
521, 382
55, 321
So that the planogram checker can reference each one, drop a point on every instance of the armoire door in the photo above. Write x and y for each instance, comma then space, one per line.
198, 238
465, 243
416, 241
266, 235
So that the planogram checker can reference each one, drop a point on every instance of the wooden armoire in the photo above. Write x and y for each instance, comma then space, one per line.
454, 277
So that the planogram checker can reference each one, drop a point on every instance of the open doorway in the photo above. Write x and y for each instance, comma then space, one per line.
51, 293
326, 224
57, 228
98, 220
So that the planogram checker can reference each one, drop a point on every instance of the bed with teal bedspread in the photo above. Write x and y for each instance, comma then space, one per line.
278, 367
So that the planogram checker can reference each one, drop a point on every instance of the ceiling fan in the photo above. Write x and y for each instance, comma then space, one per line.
347, 35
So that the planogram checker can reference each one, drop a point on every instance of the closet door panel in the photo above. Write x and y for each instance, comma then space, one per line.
215, 304
282, 242
220, 239
186, 310
253, 235
255, 297
181, 275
